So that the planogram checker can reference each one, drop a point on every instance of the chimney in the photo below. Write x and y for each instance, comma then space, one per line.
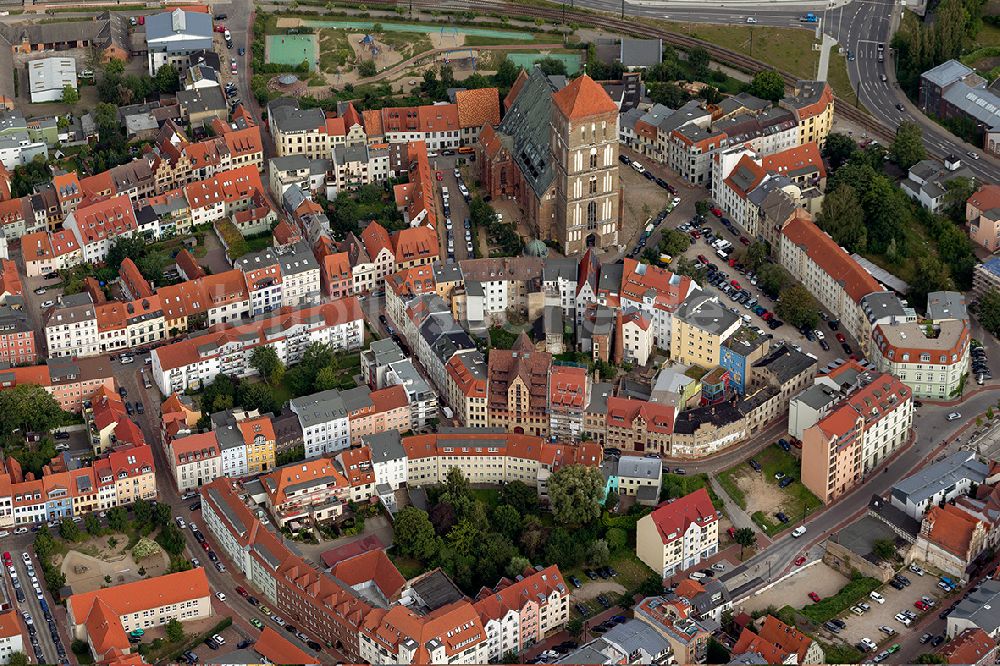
619, 349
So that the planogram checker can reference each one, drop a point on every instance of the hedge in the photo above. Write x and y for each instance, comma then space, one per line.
857, 589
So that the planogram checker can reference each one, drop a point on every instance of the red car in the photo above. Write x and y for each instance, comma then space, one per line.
242, 591
220, 28
695, 234
840, 338
440, 176
735, 283
920, 604
205, 546
800, 560
744, 240
814, 596
732, 262
716, 211
702, 259
767, 316
6, 558
732, 532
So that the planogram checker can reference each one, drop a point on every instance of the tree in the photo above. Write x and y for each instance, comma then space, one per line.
517, 565
144, 548
931, 658
710, 94
414, 534
956, 192
175, 631
17, 659
745, 537
92, 524
757, 254
29, 408
507, 73
171, 539
143, 512
506, 520
767, 84
117, 519
717, 652
575, 494
908, 145
367, 68
598, 553
551, 66
520, 496
884, 549
701, 207
844, 219
668, 94
69, 530
70, 95
798, 307
699, 60
617, 539
838, 149
126, 247
252, 395
264, 359
988, 311
930, 275
443, 518
674, 242
167, 80
326, 379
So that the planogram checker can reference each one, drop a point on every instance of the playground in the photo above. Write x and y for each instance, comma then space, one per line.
88, 565
292, 50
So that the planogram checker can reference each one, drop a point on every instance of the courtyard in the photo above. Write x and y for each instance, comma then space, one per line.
88, 565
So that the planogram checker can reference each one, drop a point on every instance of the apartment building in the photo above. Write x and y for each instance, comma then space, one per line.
812, 103
47, 251
198, 360
196, 460
71, 327
314, 491
467, 372
517, 388
639, 426
11, 639
701, 324
830, 274
658, 294
982, 214
678, 535
569, 393
867, 427
104, 617
324, 421
224, 194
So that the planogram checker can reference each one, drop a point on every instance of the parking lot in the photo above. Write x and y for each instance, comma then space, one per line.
46, 644
794, 590
723, 287
867, 625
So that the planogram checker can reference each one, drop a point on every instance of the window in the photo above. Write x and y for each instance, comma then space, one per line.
591, 215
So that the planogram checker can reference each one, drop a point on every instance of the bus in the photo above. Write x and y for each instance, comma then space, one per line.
466, 150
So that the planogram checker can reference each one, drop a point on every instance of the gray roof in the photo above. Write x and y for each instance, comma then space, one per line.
447, 272
819, 396
705, 312
525, 131
234, 520
770, 184
946, 73
981, 104
385, 446
745, 341
200, 100
357, 398
935, 478
786, 363
981, 607
298, 260
290, 162
629, 118
226, 432
746, 658
556, 268
640, 467
881, 304
179, 31
689, 421
355, 152
435, 589
286, 116
598, 651
599, 398
636, 636
321, 407
641, 52
386, 351
943, 305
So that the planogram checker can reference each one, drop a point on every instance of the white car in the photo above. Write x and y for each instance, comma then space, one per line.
973, 154
905, 621
869, 643
876, 597
819, 334
21, 530
751, 19
127, 359
219, 639
954, 416
798, 531
4, 533
48, 304
696, 575
25, 556
221, 596
917, 570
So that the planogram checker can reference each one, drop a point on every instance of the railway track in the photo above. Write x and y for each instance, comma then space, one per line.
593, 19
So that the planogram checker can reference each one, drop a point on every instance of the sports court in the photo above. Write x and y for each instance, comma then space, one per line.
528, 60
292, 50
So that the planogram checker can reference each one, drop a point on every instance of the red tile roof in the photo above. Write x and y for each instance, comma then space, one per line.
672, 519
375, 238
969, 647
952, 529
800, 157
278, 650
568, 386
583, 98
374, 566
830, 257
986, 197
415, 243
105, 219
751, 642
478, 107
789, 639
493, 604
10, 624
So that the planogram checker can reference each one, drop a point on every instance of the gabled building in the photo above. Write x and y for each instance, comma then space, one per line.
678, 535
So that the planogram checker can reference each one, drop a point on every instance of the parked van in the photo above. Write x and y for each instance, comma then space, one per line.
638, 167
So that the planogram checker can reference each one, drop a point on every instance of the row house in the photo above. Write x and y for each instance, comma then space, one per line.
117, 478
384, 365
96, 226
492, 287
516, 614
416, 198
195, 361
18, 218
657, 293
48, 251
309, 174
678, 535
517, 388
247, 442
179, 161
639, 425
129, 325
196, 460
222, 195
569, 394
467, 371
336, 277
71, 327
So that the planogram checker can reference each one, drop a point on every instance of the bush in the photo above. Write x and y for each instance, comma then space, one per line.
857, 589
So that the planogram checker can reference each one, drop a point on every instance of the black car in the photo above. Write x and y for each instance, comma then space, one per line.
582, 610
123, 392
211, 643
896, 584
244, 644
902, 579
825, 345
253, 601
221, 17
783, 443
61, 435
195, 507
781, 516
604, 601
899, 107
840, 623
755, 465
847, 348
602, 573
212, 556
575, 582
833, 324
832, 627
139, 408
937, 640
785, 482
592, 575
290, 628
314, 646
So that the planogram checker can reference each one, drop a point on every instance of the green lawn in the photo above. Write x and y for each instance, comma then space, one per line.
836, 76
989, 35
334, 49
728, 482
631, 574
483, 40
675, 485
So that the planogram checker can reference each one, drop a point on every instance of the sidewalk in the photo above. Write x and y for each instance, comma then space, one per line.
737, 516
